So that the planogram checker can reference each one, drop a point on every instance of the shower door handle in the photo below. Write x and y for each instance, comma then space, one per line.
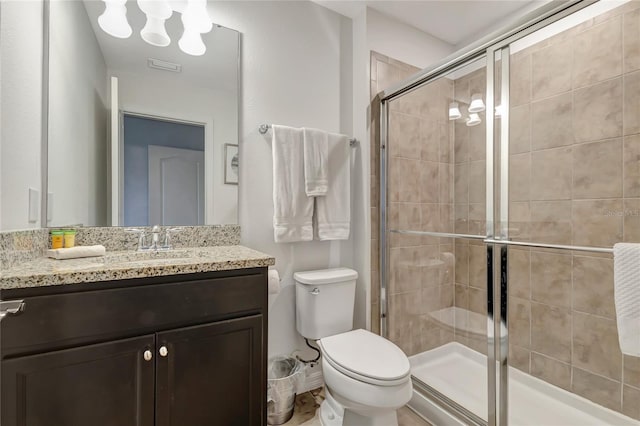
11, 307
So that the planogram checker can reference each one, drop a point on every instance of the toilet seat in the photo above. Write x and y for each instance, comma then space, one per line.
366, 357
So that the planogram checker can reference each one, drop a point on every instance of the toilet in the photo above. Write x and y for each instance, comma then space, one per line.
367, 378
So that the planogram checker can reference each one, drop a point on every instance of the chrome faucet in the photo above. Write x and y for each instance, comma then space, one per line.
155, 236
155, 244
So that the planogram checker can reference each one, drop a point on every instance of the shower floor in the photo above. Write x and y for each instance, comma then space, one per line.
460, 373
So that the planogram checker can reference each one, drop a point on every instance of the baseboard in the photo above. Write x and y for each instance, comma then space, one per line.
312, 381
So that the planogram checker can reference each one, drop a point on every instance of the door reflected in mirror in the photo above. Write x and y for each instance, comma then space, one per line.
138, 133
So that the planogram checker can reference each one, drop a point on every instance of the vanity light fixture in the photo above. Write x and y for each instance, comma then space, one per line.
473, 120
154, 32
454, 111
477, 104
113, 20
191, 43
196, 22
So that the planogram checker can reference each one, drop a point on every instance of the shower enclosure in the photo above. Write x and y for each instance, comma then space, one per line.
506, 175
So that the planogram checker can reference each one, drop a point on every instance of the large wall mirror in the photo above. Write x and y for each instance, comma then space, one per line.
142, 129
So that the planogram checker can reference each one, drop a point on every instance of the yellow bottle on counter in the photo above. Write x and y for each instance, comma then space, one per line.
57, 238
69, 238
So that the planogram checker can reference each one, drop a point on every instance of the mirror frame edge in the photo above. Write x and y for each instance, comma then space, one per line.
44, 147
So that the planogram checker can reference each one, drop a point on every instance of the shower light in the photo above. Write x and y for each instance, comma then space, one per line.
473, 120
191, 43
113, 20
154, 32
477, 105
454, 111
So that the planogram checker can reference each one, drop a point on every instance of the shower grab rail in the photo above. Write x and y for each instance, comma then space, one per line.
264, 128
505, 242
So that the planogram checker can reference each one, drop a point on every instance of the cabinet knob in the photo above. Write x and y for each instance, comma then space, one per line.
163, 351
147, 355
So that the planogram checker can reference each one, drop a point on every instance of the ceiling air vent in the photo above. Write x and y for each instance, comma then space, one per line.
163, 65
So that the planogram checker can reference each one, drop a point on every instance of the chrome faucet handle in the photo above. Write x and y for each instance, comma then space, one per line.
155, 237
142, 237
167, 236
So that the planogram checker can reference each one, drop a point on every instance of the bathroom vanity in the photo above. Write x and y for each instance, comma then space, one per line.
157, 346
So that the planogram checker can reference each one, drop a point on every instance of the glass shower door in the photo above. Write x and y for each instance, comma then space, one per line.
573, 147
436, 220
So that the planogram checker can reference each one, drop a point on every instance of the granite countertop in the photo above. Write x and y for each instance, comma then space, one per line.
131, 264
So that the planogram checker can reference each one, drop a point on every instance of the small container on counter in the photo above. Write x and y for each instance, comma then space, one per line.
69, 238
57, 239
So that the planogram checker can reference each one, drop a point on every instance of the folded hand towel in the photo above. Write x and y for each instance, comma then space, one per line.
333, 211
626, 269
292, 209
76, 252
316, 151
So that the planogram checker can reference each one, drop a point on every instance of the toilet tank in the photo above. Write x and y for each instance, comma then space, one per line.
325, 301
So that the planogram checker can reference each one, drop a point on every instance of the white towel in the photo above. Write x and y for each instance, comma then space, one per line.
274, 281
292, 209
626, 268
333, 211
76, 252
316, 151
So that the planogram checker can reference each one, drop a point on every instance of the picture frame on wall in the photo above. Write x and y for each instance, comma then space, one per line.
231, 164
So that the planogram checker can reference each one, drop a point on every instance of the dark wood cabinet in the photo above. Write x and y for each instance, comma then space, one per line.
103, 384
210, 374
185, 350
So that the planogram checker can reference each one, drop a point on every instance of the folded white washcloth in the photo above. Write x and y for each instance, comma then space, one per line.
626, 270
316, 152
292, 209
333, 211
76, 252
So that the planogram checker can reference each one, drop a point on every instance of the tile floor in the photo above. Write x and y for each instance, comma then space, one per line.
308, 402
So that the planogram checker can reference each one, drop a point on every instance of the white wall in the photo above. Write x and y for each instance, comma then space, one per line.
403, 42
291, 67
21, 106
159, 93
78, 119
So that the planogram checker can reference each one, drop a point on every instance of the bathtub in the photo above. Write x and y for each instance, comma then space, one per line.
460, 374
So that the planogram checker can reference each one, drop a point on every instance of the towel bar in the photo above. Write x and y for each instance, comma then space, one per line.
264, 128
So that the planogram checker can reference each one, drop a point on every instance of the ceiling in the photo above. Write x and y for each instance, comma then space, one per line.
216, 69
453, 21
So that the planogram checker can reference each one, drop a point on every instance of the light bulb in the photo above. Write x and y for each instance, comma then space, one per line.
157, 12
113, 20
155, 33
473, 120
196, 18
454, 111
191, 43
477, 104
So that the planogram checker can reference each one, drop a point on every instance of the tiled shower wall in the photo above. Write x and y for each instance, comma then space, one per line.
574, 179
420, 198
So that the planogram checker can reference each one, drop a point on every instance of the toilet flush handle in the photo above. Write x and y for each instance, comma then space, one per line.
315, 291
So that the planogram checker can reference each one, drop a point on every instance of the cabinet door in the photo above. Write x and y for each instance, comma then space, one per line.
212, 374
107, 384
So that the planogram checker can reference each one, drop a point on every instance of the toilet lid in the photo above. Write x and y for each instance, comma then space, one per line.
366, 355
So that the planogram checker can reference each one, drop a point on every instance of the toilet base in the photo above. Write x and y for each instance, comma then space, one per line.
331, 413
